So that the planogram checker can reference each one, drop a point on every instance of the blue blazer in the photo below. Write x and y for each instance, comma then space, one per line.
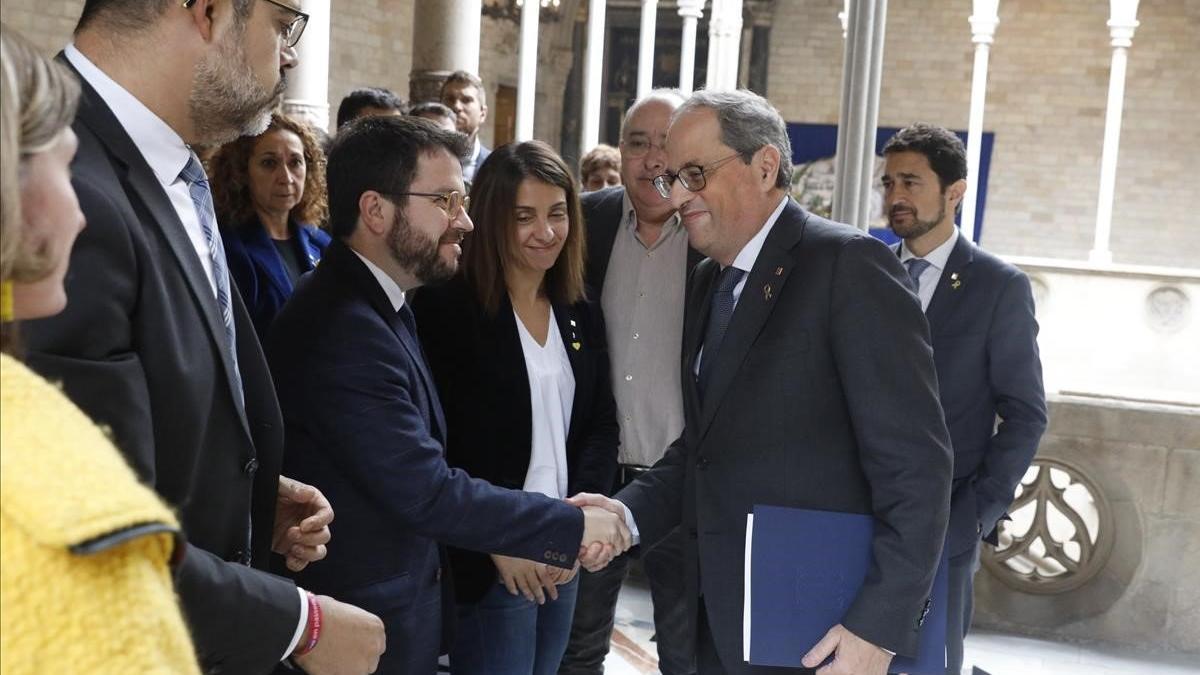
479, 367
258, 271
363, 422
985, 351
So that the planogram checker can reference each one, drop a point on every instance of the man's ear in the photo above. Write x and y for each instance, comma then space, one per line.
482, 113
956, 191
371, 212
202, 12
766, 164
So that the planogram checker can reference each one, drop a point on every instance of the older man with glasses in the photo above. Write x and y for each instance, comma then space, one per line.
808, 382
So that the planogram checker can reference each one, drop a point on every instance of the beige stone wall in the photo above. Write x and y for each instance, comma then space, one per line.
1046, 99
371, 45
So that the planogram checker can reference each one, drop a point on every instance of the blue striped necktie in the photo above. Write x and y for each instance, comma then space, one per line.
193, 174
916, 266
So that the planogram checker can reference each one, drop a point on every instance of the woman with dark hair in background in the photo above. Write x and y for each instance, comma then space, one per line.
521, 363
269, 194
85, 582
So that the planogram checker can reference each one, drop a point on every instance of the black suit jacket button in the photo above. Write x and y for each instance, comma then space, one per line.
251, 466
547, 555
702, 463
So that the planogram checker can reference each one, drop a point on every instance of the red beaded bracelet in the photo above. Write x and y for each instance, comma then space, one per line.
314, 625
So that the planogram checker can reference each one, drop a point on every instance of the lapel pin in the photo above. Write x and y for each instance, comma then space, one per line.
576, 345
572, 322
778, 271
955, 283
767, 292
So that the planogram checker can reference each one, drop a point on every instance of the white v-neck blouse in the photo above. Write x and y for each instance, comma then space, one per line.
551, 395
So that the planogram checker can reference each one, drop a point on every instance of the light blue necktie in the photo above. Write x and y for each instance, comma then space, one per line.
915, 267
193, 174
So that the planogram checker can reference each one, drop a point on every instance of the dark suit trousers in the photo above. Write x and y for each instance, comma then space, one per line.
960, 605
596, 605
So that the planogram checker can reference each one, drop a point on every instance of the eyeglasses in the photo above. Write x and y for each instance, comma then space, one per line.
449, 202
295, 28
639, 147
692, 177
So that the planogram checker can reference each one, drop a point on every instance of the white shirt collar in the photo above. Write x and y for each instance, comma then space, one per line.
162, 148
390, 288
749, 253
938, 257
476, 149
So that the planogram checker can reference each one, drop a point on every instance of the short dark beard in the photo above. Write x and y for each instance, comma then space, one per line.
416, 253
918, 227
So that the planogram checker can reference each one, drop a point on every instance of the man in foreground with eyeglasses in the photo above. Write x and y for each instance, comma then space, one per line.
638, 261
808, 382
156, 343
363, 419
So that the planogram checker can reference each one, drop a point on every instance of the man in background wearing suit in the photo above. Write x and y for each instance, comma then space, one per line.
638, 261
156, 343
808, 382
981, 317
362, 414
463, 93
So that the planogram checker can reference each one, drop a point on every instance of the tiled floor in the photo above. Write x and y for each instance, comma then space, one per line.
997, 654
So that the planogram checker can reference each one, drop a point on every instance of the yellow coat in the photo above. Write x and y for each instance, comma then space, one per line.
84, 547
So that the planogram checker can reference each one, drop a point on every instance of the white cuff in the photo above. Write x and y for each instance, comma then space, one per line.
300, 628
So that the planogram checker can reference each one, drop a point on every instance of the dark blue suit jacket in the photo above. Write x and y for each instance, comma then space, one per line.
480, 370
260, 275
985, 350
364, 424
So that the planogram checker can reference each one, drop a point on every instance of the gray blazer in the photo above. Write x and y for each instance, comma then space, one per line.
824, 397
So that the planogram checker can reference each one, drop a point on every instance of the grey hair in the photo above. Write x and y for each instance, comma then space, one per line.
748, 122
671, 96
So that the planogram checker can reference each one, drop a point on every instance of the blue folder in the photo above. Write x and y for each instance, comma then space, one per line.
805, 570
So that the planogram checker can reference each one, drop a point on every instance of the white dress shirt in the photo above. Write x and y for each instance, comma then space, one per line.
937, 259
166, 154
472, 164
391, 289
551, 396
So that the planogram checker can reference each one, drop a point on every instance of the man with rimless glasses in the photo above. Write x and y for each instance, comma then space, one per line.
808, 382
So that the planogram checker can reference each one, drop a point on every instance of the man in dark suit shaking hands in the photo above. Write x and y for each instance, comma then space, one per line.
808, 382
980, 312
363, 419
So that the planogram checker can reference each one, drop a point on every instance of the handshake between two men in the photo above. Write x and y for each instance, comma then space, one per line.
605, 536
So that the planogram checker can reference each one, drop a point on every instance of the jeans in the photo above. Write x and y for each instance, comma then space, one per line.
592, 630
506, 634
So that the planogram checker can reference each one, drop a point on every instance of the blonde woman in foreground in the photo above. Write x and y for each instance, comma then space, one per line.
85, 550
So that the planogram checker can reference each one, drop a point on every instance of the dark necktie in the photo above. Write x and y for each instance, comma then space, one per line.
406, 317
915, 267
719, 315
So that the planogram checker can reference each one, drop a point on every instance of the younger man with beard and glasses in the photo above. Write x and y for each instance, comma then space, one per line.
155, 342
362, 414
639, 259
981, 317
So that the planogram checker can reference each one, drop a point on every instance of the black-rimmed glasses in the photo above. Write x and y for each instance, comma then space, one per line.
449, 202
295, 28
692, 177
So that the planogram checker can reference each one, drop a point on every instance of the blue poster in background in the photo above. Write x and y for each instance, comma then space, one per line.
813, 148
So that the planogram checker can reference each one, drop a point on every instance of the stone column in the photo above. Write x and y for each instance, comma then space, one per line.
527, 59
593, 75
690, 11
983, 21
862, 67
1122, 22
724, 44
445, 39
645, 80
307, 95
